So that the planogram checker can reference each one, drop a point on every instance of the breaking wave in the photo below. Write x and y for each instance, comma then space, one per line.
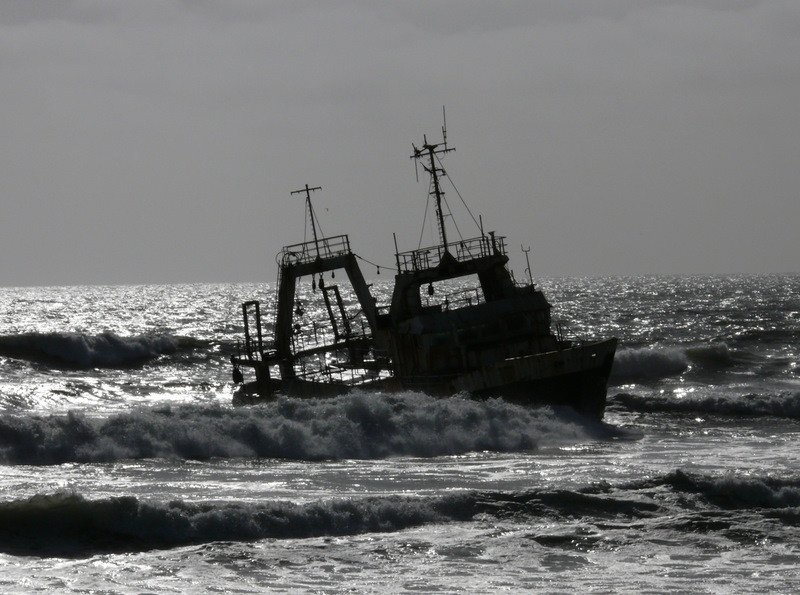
656, 363
79, 350
713, 356
649, 364
68, 524
778, 405
730, 491
352, 426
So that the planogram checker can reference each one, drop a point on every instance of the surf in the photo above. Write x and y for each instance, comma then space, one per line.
354, 426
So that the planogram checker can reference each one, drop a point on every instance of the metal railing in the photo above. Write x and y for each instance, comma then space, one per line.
464, 250
311, 251
471, 296
350, 375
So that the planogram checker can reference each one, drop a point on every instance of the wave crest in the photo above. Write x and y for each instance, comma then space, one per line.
730, 491
714, 355
86, 351
777, 405
655, 363
649, 364
358, 426
69, 524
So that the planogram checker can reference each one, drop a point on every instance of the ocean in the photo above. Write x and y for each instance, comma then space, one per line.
124, 467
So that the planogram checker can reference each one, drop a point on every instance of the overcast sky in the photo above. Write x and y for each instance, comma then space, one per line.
158, 141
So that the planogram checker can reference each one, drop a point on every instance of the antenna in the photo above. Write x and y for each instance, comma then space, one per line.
444, 127
527, 260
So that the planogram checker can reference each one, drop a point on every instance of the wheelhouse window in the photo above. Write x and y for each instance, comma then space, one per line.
453, 294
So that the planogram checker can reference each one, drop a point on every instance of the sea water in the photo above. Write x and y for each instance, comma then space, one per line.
124, 468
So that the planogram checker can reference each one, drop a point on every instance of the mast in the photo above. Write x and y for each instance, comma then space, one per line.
430, 151
308, 192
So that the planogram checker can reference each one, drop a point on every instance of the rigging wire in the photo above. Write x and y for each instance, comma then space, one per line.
308, 216
319, 226
305, 224
453, 219
425, 218
463, 202
446, 204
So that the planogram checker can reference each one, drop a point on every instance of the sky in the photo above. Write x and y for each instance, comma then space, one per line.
159, 141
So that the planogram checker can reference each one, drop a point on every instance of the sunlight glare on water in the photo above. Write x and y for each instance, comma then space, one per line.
126, 469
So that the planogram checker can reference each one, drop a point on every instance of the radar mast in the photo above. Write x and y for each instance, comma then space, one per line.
427, 156
308, 192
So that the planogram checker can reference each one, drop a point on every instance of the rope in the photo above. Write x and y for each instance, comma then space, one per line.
380, 266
